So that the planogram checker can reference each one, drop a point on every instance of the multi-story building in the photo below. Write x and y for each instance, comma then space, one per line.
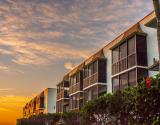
43, 103
121, 63
76, 88
63, 95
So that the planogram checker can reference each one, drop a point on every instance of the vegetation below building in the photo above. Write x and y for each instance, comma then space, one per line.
139, 105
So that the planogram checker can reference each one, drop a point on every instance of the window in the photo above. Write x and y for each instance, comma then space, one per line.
123, 50
123, 81
74, 79
131, 52
123, 57
115, 57
132, 77
95, 65
131, 46
141, 50
85, 72
90, 68
78, 77
115, 60
141, 73
115, 82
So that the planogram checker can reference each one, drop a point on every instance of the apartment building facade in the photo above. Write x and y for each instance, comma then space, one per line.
43, 103
63, 95
121, 63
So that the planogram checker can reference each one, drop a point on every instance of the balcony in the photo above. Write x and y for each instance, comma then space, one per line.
95, 73
90, 80
63, 94
75, 88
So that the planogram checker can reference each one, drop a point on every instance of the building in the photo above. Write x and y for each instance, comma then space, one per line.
43, 103
121, 63
63, 95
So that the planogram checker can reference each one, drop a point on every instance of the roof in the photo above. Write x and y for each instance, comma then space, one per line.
76, 69
147, 19
91, 59
134, 29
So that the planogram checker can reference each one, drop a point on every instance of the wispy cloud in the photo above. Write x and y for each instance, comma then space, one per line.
4, 68
6, 89
69, 65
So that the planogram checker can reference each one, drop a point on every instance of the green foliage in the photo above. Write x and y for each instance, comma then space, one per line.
139, 105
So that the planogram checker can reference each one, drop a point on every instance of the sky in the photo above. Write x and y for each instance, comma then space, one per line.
41, 40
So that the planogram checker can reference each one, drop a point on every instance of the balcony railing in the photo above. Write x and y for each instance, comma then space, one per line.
63, 94
90, 80
75, 88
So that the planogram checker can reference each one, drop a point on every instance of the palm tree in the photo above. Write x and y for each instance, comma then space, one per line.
157, 12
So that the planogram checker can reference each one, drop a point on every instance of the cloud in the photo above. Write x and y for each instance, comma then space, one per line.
26, 53
57, 30
6, 89
4, 68
69, 65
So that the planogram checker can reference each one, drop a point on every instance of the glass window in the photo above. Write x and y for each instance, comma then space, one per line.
90, 69
123, 50
115, 55
141, 73
132, 77
85, 72
95, 65
131, 60
78, 77
141, 50
115, 82
131, 46
123, 81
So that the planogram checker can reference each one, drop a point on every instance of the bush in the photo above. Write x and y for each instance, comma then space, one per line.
139, 105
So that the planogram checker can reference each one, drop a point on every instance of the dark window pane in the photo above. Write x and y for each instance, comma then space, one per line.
141, 73
132, 77
95, 66
141, 50
131, 46
131, 60
115, 82
85, 72
78, 77
123, 81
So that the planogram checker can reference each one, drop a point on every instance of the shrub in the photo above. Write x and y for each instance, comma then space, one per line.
139, 105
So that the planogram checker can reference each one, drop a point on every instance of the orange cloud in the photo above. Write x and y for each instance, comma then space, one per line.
26, 53
69, 65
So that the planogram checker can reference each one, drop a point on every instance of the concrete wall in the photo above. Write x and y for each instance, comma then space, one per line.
152, 46
52, 95
50, 100
108, 55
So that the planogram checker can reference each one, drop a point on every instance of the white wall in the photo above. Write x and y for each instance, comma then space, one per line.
108, 55
52, 95
152, 46
50, 100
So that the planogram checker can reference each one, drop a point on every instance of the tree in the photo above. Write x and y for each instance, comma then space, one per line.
157, 12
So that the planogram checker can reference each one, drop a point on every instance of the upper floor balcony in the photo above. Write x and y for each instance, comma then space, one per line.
63, 89
76, 82
129, 53
95, 72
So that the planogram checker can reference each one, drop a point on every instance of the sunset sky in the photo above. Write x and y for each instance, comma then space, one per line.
41, 40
